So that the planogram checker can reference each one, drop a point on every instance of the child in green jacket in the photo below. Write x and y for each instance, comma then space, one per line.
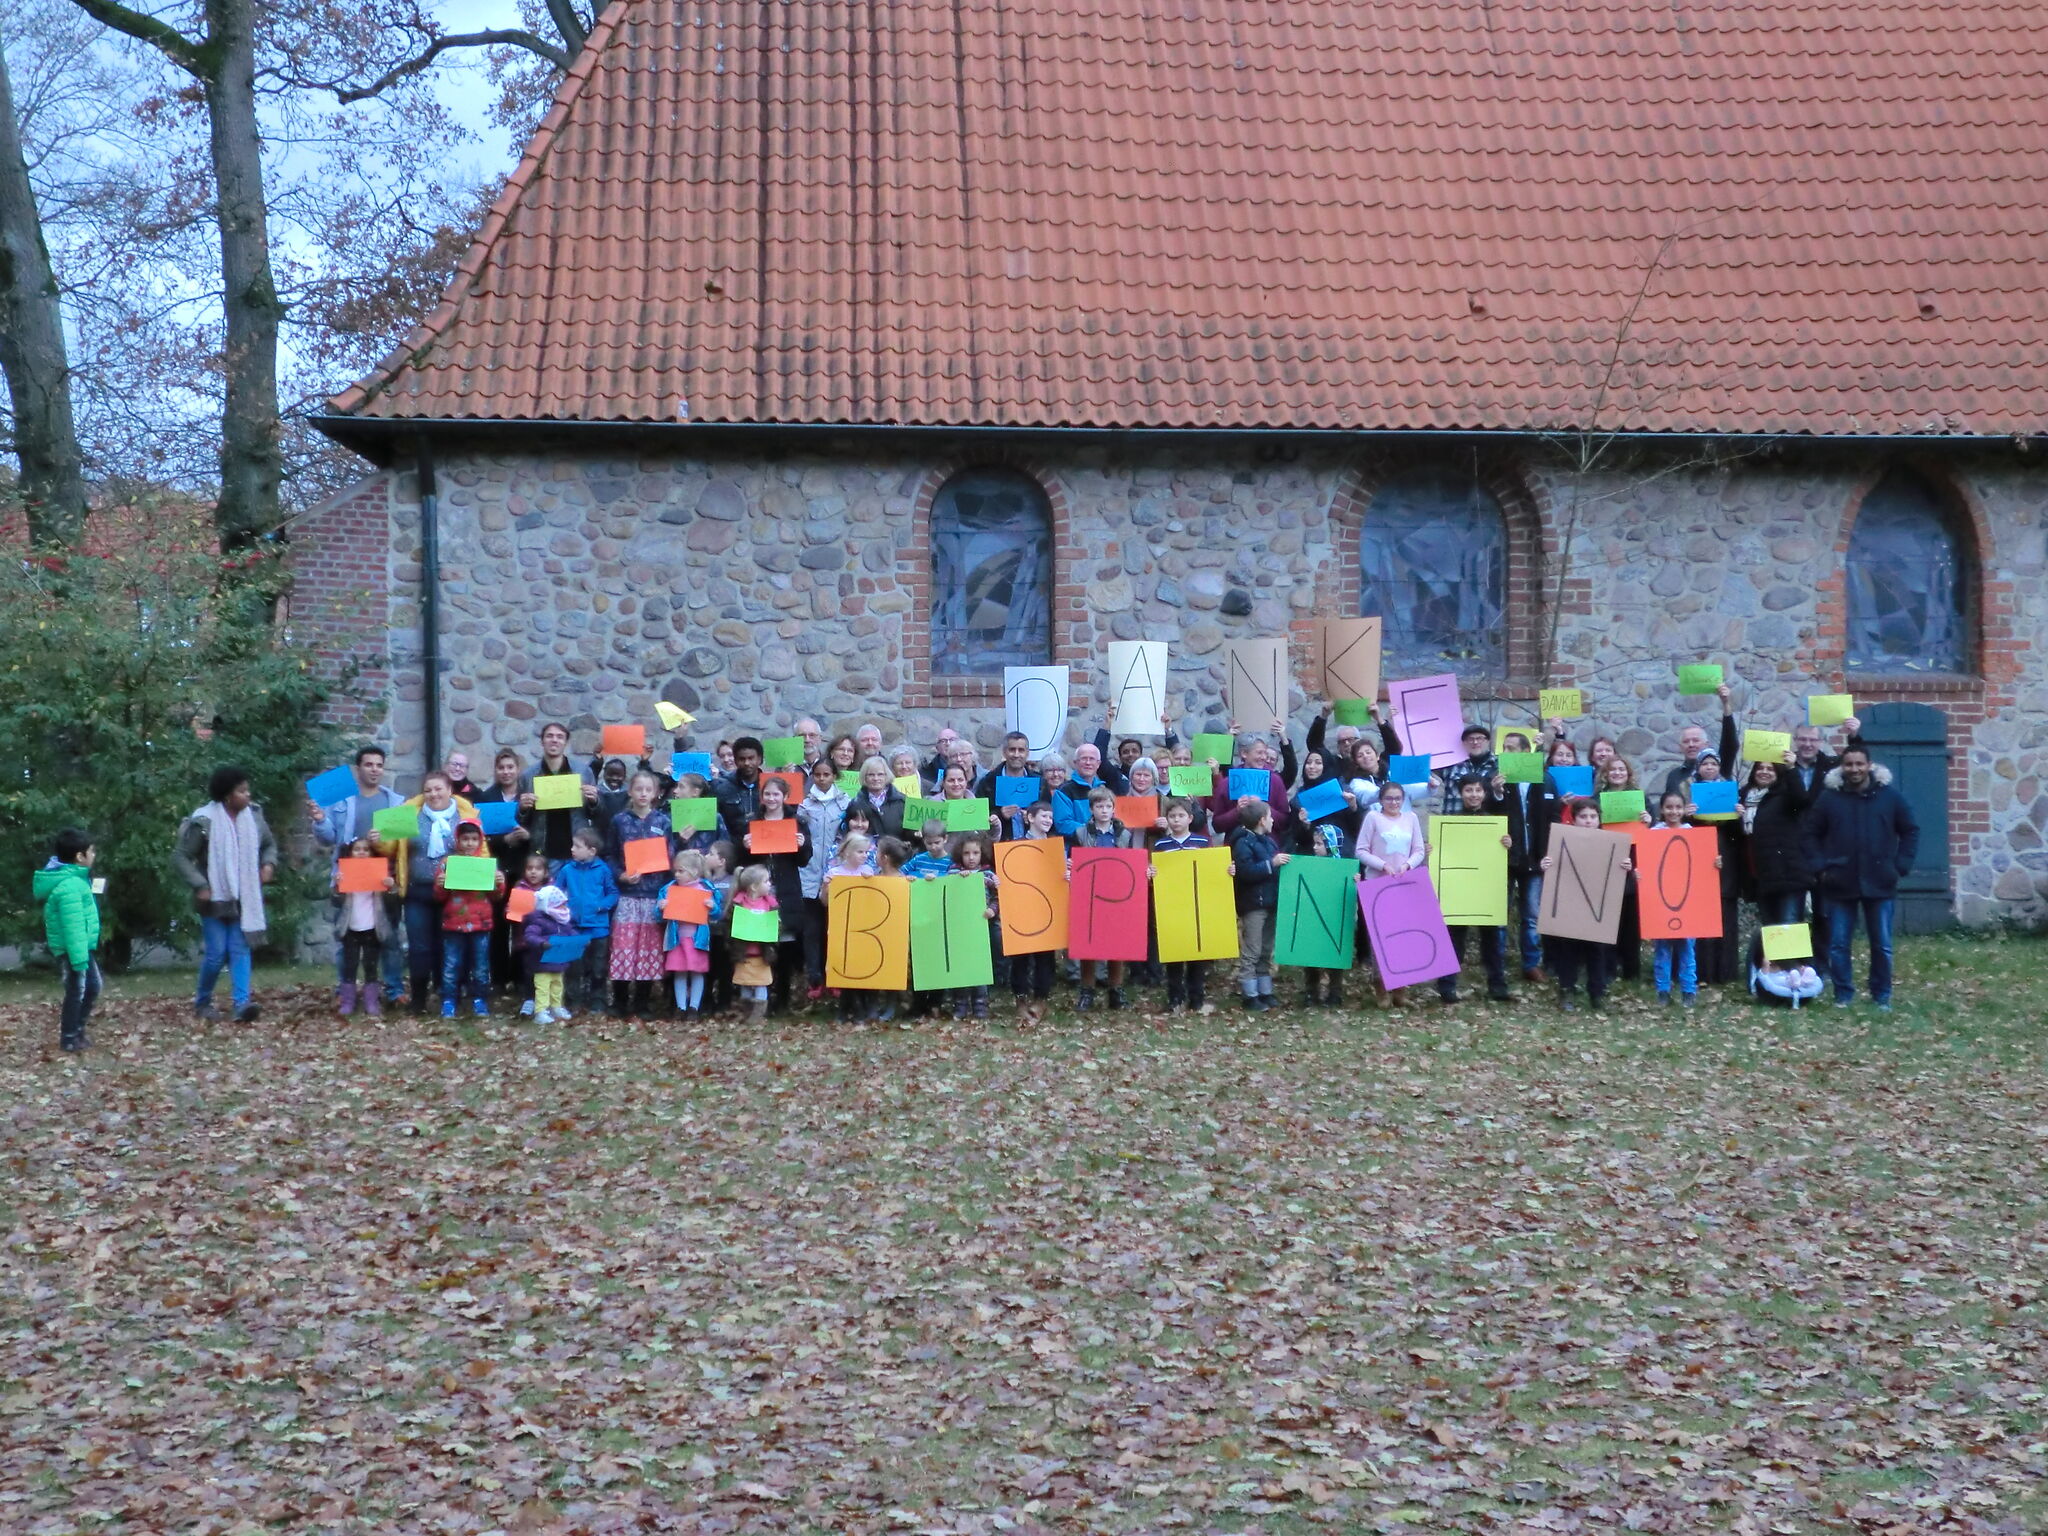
71, 923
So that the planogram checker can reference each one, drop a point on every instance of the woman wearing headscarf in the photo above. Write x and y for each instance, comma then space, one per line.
225, 853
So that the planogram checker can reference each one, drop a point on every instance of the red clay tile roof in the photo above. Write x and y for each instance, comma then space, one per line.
1824, 218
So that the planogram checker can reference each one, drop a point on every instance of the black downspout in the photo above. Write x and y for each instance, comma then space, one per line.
430, 604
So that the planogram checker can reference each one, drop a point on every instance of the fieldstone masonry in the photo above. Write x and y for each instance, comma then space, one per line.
752, 592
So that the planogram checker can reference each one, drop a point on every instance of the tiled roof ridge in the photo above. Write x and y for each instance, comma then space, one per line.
359, 394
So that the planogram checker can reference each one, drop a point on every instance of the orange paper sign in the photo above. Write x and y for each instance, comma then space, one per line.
686, 904
1138, 810
791, 781
1678, 890
625, 741
1031, 894
362, 875
777, 836
646, 856
519, 902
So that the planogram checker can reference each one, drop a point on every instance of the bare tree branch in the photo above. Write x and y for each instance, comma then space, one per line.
166, 39
517, 37
570, 25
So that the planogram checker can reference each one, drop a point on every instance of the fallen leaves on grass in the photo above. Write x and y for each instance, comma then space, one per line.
1474, 1270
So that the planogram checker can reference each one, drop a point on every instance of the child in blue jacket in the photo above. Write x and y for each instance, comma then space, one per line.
1255, 862
593, 891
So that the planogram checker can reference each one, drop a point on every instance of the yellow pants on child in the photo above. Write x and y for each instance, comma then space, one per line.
547, 991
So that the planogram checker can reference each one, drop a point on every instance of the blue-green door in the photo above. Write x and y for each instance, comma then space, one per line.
1912, 741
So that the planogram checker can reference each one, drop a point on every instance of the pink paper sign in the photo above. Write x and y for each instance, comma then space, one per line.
1410, 942
1429, 718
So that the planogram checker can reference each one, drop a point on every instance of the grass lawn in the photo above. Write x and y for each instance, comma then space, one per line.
1476, 1269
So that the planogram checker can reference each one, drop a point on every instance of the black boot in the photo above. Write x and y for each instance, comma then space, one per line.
641, 992
418, 994
1312, 986
620, 993
1335, 997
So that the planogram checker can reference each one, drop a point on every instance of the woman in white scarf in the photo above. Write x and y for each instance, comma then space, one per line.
226, 855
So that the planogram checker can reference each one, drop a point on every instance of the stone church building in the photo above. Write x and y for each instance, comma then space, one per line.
823, 358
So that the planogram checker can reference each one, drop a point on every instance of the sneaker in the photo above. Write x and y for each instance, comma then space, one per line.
1116, 998
1084, 1000
1883, 1007
1843, 1002
1532, 973
1500, 995
1664, 999
1567, 1004
1448, 998
248, 1013
447, 1007
526, 1011
480, 1008
205, 1011
1691, 1000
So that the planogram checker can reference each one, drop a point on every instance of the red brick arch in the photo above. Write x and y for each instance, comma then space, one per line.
1524, 509
922, 689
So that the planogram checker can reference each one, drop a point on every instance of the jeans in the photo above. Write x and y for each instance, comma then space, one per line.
1492, 954
423, 941
1877, 923
81, 991
1683, 951
1525, 897
465, 954
1255, 952
226, 947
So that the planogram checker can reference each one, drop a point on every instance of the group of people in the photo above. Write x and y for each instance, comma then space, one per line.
584, 912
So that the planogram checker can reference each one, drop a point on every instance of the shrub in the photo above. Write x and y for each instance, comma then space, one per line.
126, 677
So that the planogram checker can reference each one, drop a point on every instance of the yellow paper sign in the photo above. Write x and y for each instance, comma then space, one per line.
1194, 902
867, 932
1531, 734
1468, 865
672, 718
1561, 704
558, 792
1766, 746
1788, 941
908, 787
1829, 708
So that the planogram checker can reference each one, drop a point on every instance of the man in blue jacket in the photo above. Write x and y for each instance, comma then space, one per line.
1860, 839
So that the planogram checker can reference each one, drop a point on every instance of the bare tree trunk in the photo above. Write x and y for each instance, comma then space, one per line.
224, 64
250, 459
32, 351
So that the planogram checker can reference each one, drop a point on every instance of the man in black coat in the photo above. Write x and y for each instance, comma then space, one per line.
739, 797
1532, 810
1860, 839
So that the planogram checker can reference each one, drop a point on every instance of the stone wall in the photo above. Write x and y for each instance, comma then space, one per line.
753, 591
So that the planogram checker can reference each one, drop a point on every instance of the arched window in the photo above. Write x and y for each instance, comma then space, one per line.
1432, 555
991, 573
1907, 582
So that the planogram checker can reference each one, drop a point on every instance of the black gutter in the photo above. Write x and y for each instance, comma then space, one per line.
430, 600
379, 440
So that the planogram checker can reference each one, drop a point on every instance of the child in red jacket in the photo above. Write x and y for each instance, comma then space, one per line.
466, 921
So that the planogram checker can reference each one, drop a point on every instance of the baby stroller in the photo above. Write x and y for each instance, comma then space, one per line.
1796, 983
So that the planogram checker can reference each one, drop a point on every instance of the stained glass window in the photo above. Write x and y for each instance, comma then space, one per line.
1433, 564
991, 573
1908, 584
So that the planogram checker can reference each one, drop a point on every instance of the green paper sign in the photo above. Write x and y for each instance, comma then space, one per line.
1521, 767
949, 933
1620, 805
1318, 913
396, 821
460, 872
917, 812
782, 752
752, 927
849, 780
1215, 747
1352, 711
1703, 678
1829, 708
966, 816
1193, 779
697, 814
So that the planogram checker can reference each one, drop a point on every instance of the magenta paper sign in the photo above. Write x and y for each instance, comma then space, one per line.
1429, 718
1409, 940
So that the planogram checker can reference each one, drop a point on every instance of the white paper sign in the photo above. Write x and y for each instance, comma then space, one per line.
1137, 687
1035, 702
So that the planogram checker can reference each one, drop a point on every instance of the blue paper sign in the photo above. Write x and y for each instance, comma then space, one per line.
691, 762
1324, 799
331, 787
1020, 789
1256, 782
1408, 770
568, 947
497, 817
1573, 783
1714, 799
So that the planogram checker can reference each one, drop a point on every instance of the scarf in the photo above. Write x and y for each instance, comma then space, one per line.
234, 869
437, 831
